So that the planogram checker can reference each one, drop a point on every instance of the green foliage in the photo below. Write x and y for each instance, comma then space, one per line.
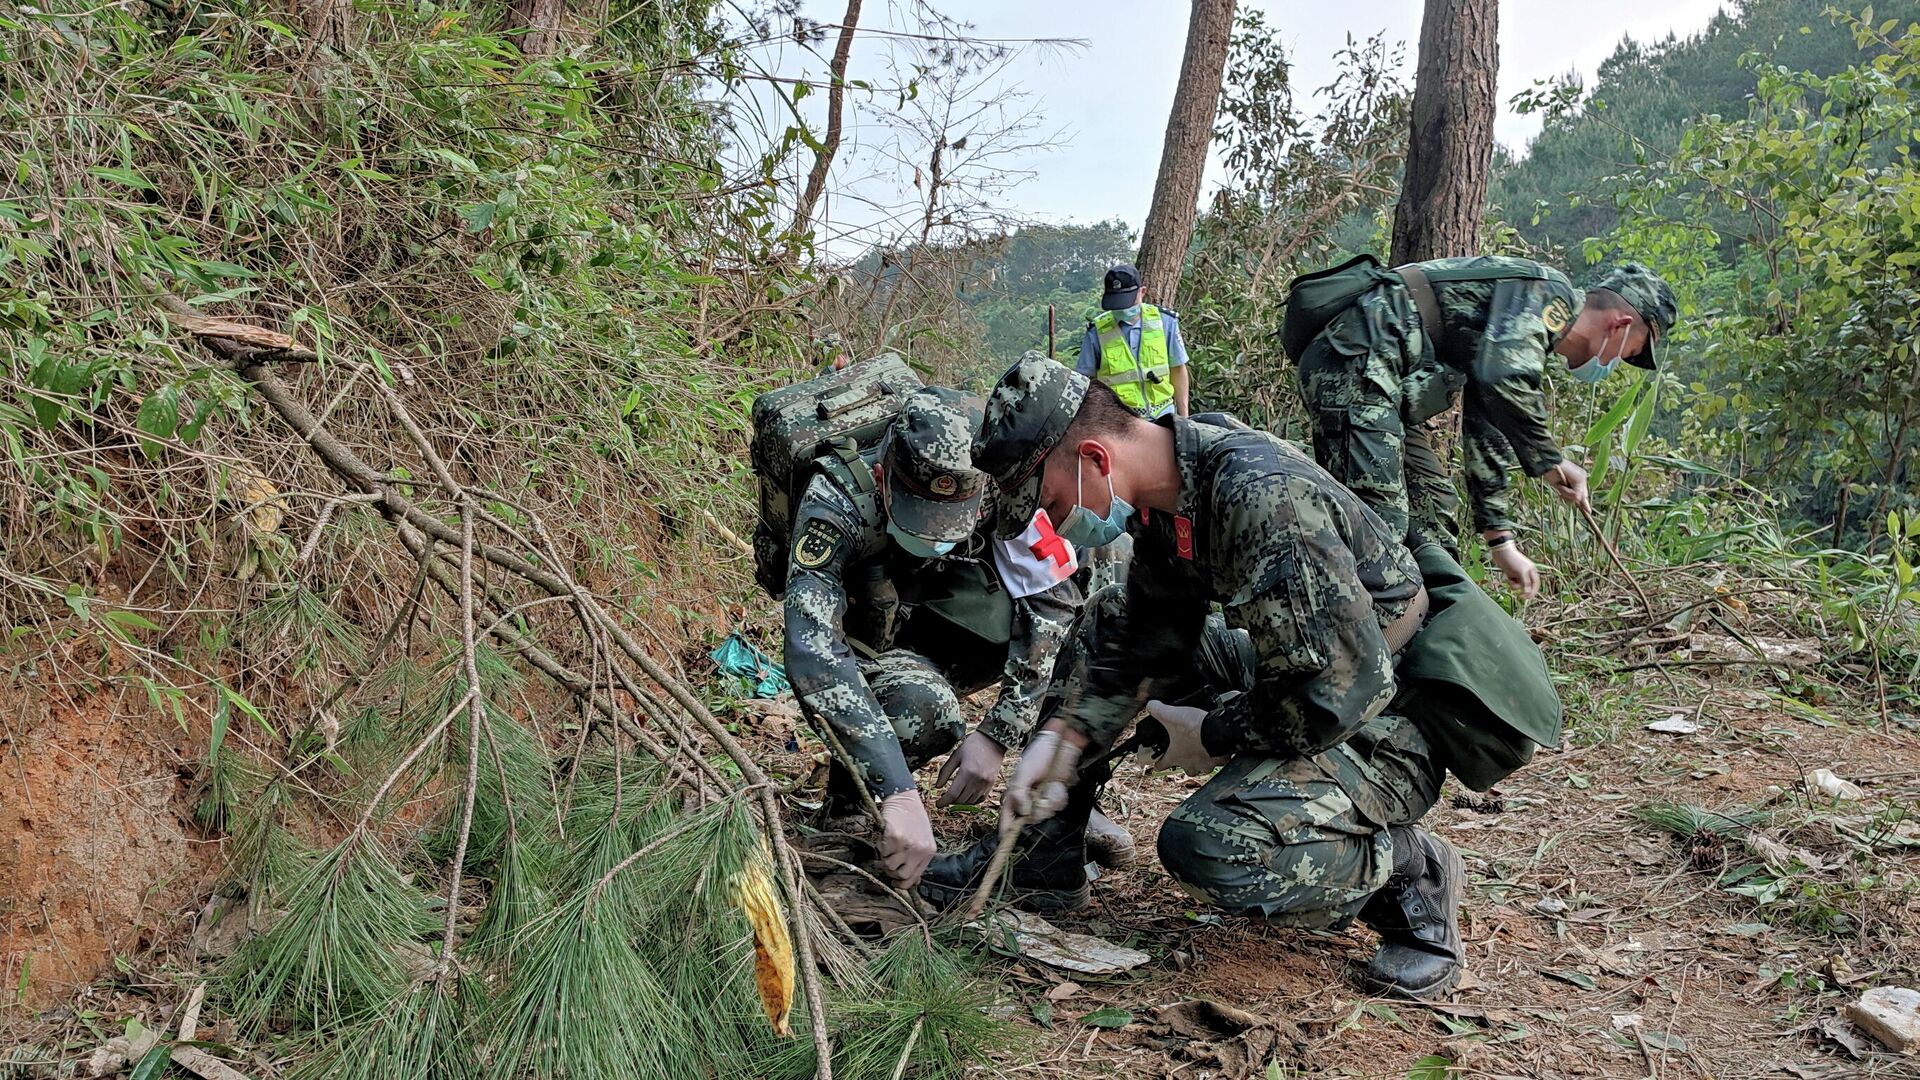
1567, 185
336, 953
1800, 370
928, 1012
427, 1032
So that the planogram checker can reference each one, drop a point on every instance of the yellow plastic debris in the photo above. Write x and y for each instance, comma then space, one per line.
772, 948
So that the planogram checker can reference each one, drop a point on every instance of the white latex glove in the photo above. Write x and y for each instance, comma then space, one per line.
1569, 481
1522, 576
969, 772
906, 838
1038, 787
1185, 751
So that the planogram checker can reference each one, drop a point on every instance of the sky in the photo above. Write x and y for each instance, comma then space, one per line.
1101, 108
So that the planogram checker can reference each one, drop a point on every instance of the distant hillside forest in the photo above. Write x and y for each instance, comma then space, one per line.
1561, 189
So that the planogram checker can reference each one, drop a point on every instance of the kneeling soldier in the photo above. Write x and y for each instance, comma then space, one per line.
898, 567
1325, 767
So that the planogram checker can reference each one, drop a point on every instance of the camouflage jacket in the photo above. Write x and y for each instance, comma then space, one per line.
840, 573
1493, 348
1295, 559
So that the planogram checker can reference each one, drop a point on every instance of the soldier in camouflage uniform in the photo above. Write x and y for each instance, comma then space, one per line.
894, 611
1375, 375
1310, 820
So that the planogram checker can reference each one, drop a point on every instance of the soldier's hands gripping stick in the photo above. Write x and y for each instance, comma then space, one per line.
970, 770
1569, 481
906, 838
1038, 788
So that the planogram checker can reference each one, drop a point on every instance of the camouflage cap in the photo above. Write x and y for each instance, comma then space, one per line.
933, 490
1647, 294
1028, 412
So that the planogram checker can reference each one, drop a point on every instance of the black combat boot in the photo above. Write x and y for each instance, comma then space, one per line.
1048, 870
1418, 916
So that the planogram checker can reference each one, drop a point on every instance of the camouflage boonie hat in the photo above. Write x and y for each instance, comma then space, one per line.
933, 490
1647, 294
1028, 412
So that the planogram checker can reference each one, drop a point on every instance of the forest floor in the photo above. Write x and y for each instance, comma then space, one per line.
1597, 944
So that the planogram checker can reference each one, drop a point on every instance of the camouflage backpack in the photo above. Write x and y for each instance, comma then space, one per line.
823, 423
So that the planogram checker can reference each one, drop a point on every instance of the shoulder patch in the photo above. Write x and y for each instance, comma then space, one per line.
818, 543
1557, 314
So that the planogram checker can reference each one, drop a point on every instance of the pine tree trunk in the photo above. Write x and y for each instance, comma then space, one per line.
539, 21
1450, 152
1176, 192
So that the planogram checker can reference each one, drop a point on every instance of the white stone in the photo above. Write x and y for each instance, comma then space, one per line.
1890, 1014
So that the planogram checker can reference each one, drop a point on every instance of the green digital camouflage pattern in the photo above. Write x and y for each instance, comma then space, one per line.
934, 489
1302, 841
1372, 376
1295, 560
845, 578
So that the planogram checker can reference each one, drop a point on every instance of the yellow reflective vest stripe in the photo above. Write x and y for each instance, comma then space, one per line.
1144, 383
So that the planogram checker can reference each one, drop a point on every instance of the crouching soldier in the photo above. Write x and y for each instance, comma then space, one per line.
895, 609
1326, 761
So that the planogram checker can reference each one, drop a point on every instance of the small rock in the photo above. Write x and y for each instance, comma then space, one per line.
1551, 905
1823, 782
1890, 1014
1674, 725
1624, 1021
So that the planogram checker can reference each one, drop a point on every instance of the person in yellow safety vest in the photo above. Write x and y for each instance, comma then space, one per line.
1135, 348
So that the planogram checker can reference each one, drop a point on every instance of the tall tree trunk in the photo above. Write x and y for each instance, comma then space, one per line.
1176, 192
1450, 151
836, 102
539, 22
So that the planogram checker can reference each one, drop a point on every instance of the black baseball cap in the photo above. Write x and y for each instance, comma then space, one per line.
1120, 288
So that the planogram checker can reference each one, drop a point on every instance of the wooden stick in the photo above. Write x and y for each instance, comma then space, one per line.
1619, 564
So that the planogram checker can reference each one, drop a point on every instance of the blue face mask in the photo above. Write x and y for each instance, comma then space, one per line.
1128, 314
1597, 368
1082, 529
913, 545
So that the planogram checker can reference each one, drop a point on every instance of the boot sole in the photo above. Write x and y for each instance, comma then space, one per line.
1425, 993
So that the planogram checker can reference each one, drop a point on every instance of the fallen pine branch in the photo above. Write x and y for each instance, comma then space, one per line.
250, 351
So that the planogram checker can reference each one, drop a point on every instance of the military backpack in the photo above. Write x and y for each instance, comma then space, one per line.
1315, 300
823, 423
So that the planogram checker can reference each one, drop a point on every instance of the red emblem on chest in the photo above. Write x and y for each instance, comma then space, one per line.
1183, 537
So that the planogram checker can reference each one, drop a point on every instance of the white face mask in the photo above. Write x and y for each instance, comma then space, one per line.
1599, 366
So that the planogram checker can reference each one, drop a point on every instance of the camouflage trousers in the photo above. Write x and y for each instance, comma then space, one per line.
1302, 841
1359, 406
919, 703
921, 706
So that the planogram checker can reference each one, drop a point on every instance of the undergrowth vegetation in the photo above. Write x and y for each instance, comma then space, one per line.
515, 308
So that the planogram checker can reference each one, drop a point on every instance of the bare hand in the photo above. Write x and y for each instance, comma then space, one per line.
1522, 576
969, 772
1569, 481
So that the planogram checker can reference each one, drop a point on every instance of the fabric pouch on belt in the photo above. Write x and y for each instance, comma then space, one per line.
1474, 681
